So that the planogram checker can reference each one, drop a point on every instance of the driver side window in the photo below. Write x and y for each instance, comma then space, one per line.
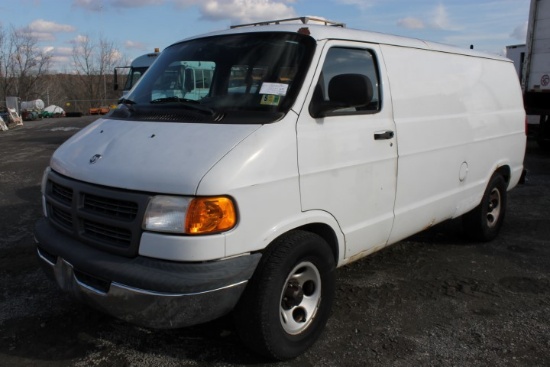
348, 84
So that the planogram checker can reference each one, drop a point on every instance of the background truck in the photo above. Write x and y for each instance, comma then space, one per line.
536, 68
136, 69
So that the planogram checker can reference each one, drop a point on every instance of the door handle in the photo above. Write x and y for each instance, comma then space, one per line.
383, 135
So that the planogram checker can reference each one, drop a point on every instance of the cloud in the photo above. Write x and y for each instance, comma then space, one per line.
80, 39
411, 23
60, 56
244, 11
39, 36
98, 6
241, 11
135, 3
61, 62
520, 32
92, 5
437, 19
116, 56
440, 18
63, 51
41, 25
236, 11
361, 4
44, 31
134, 45
182, 4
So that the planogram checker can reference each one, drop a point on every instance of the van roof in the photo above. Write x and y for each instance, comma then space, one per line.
339, 32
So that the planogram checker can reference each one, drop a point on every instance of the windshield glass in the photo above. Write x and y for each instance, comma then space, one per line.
241, 78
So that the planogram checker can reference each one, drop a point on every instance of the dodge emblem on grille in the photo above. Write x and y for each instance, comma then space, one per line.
95, 158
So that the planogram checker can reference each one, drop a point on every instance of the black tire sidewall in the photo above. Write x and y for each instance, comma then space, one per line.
475, 222
497, 182
265, 334
305, 253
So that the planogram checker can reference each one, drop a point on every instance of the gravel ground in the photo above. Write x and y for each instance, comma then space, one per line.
435, 299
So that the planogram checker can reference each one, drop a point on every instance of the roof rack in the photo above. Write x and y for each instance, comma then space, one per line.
304, 20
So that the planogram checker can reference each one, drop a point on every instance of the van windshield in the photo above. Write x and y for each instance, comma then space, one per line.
241, 78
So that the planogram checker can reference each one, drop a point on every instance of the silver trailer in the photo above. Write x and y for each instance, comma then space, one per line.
536, 68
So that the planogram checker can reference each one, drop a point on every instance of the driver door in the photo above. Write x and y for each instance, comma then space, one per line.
348, 158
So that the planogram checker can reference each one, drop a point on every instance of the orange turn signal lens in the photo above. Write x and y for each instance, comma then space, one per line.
210, 215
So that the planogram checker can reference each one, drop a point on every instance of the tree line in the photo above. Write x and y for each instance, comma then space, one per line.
26, 71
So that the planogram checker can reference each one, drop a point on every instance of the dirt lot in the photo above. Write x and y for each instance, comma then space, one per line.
432, 300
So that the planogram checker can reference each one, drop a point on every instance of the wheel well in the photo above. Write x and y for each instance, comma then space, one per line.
505, 172
326, 233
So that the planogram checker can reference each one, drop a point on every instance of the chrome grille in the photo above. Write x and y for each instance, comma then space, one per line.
62, 193
111, 208
62, 217
99, 216
102, 232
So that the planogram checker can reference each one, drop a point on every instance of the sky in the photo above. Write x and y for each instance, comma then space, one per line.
139, 26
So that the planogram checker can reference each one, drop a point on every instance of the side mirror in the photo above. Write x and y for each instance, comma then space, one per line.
344, 91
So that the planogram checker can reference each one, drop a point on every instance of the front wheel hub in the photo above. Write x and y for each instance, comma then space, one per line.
300, 298
293, 296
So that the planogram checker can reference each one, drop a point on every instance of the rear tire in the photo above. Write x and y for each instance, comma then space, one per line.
484, 222
288, 300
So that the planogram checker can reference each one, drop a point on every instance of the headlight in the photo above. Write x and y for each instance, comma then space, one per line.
201, 215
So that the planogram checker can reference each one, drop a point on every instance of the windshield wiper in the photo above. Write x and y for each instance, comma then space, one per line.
126, 101
191, 103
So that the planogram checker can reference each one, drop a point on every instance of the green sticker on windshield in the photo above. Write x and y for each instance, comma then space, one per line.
270, 100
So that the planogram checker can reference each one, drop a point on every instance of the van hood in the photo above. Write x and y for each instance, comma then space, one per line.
169, 158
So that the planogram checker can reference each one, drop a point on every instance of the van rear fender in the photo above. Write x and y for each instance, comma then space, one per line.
501, 168
505, 172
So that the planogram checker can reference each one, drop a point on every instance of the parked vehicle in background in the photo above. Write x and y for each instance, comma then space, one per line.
297, 148
536, 68
516, 53
99, 110
184, 79
135, 71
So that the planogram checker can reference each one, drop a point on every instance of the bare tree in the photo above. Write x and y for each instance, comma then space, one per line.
22, 64
25, 71
83, 53
109, 56
4, 63
94, 63
29, 64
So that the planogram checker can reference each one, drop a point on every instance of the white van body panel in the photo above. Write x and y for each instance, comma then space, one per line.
453, 131
177, 248
344, 171
261, 174
155, 157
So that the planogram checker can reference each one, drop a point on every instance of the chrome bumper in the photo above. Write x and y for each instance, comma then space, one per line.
173, 295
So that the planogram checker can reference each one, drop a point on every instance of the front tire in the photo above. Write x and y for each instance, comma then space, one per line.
288, 301
484, 222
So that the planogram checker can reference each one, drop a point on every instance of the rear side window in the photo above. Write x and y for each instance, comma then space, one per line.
340, 61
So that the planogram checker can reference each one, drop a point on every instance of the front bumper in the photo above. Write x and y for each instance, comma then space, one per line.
144, 291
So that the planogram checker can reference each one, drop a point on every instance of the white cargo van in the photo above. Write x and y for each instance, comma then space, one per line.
315, 145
